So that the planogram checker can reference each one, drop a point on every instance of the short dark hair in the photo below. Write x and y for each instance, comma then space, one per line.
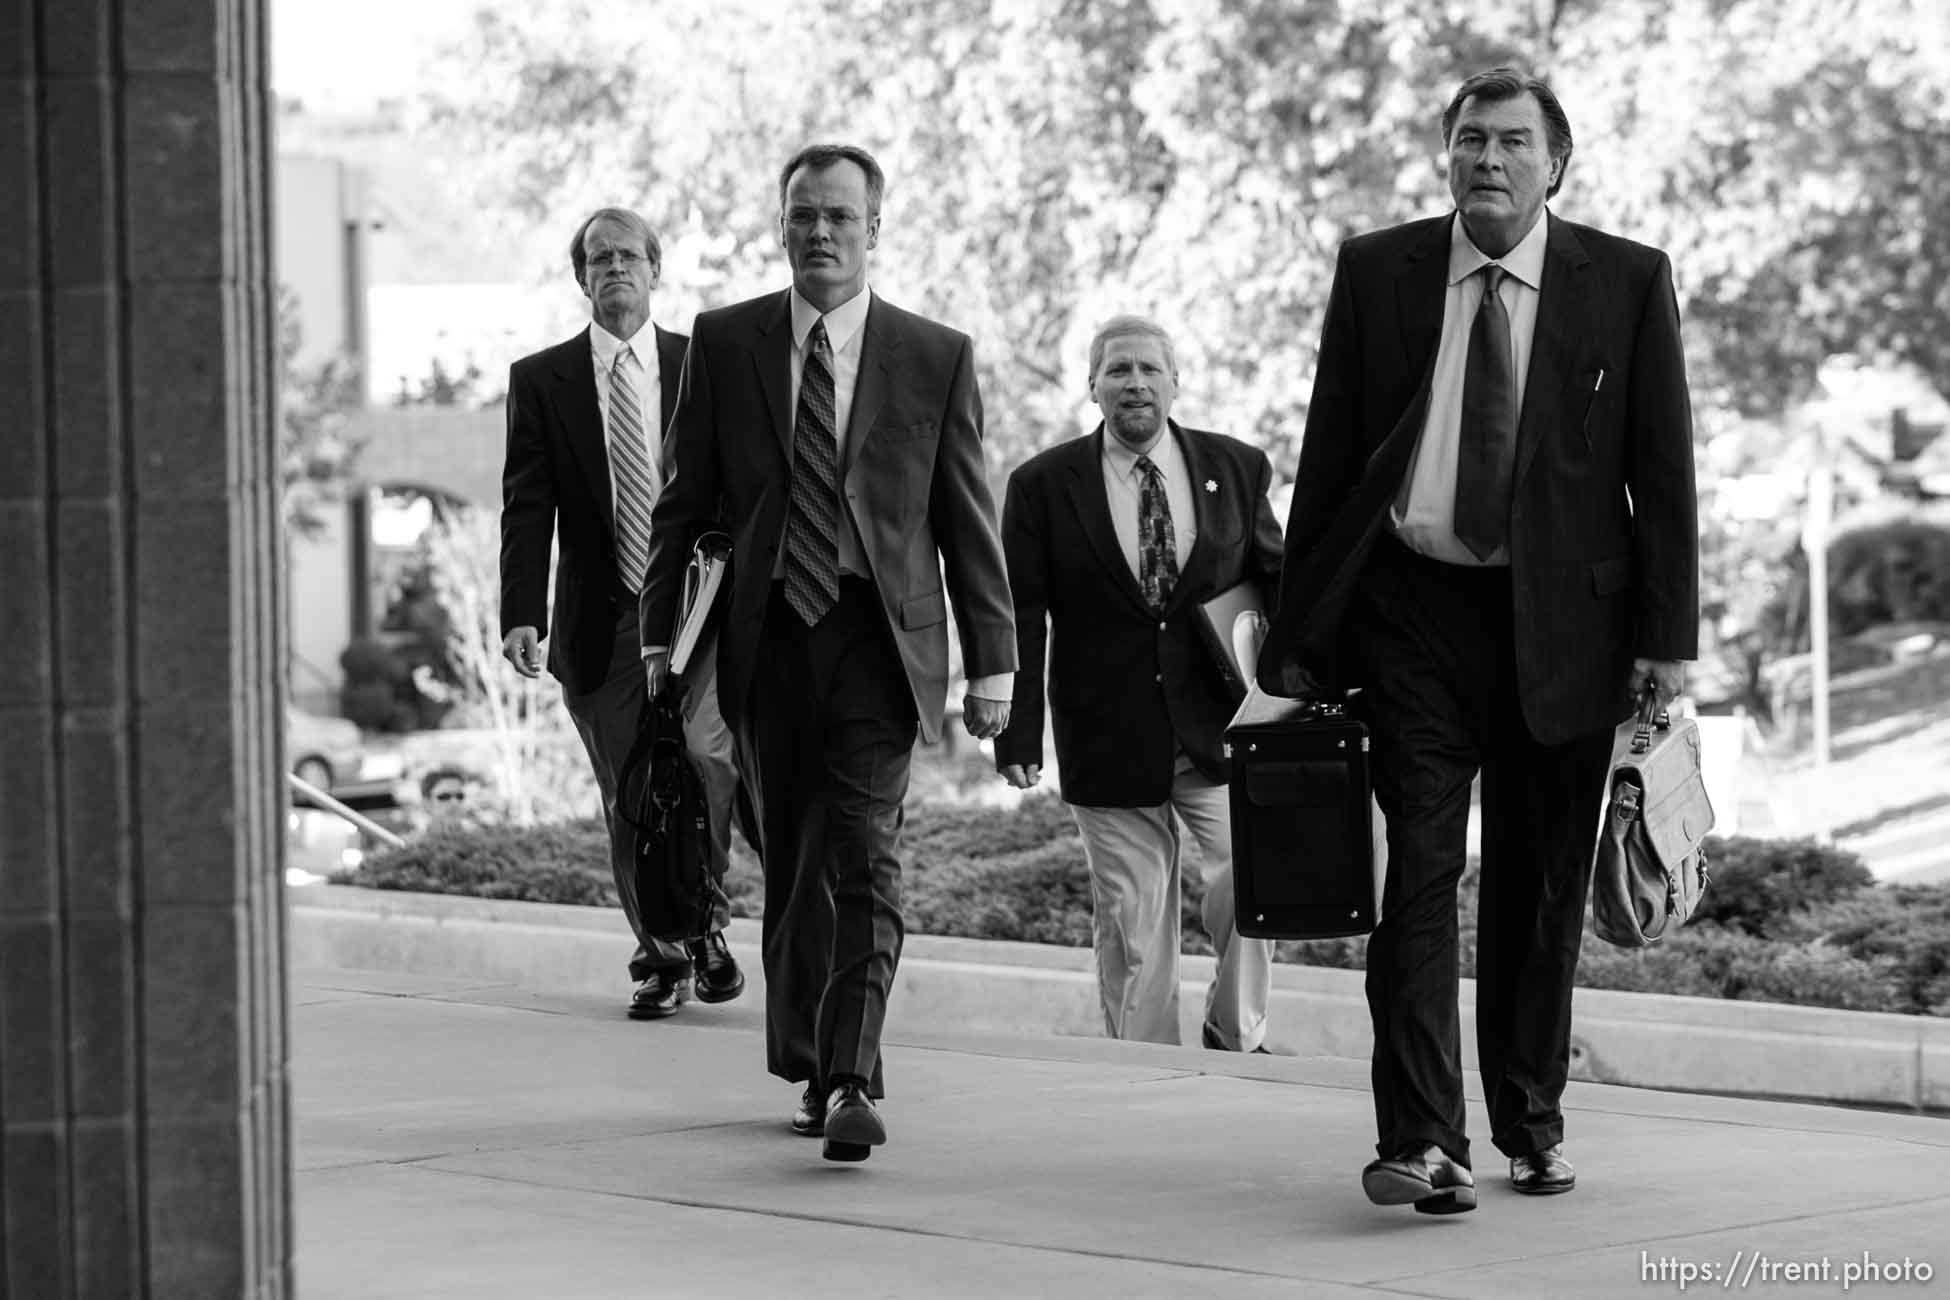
579, 257
821, 156
1507, 83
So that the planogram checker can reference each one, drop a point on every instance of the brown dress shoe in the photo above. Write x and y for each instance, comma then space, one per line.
809, 1120
659, 995
1427, 1179
1543, 1173
715, 974
853, 1126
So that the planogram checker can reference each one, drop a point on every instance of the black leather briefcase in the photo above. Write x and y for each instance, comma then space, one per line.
1303, 856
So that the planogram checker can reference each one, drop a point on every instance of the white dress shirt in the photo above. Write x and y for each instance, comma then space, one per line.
605, 346
1124, 484
1425, 515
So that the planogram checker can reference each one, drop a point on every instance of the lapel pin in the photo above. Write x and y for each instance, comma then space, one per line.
1211, 485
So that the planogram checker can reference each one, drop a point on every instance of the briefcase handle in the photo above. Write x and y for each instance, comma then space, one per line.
1650, 717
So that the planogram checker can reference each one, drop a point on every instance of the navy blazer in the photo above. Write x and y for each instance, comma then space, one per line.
1604, 538
555, 485
1128, 687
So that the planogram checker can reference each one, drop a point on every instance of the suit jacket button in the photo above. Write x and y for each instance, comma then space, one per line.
1161, 627
1160, 677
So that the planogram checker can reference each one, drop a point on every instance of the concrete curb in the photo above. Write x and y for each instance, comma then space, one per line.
1636, 1039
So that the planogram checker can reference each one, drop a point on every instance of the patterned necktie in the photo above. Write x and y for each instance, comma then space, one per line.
636, 474
1486, 449
1157, 551
812, 527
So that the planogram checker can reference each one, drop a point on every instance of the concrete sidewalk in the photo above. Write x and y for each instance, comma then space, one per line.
471, 1139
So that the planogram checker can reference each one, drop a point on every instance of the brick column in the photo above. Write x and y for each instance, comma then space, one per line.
143, 1100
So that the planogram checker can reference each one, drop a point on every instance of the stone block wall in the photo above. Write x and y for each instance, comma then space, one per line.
143, 1101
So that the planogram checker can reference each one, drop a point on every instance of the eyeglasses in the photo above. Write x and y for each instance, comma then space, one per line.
617, 257
450, 796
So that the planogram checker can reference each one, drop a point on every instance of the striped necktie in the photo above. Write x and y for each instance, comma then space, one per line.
812, 548
636, 474
1157, 548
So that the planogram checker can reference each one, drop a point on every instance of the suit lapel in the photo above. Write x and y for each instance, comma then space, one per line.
1198, 470
1419, 292
1091, 502
1564, 316
773, 356
582, 421
878, 350
670, 370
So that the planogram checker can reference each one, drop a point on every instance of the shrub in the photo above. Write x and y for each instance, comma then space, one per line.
1803, 923
1756, 884
1038, 894
562, 862
1708, 961
1902, 929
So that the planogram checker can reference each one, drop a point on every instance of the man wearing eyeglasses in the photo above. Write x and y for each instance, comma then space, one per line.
585, 462
841, 438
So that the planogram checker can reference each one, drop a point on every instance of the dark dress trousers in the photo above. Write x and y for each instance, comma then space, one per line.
1516, 671
556, 487
1128, 688
825, 717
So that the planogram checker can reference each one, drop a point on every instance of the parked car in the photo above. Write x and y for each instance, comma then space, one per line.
322, 751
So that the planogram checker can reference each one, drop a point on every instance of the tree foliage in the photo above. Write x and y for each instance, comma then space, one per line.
1052, 162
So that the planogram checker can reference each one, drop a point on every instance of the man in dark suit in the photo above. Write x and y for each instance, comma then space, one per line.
1113, 541
842, 438
583, 466
1493, 534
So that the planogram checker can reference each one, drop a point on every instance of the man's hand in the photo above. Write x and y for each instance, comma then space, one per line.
984, 719
1020, 776
523, 648
656, 672
1665, 678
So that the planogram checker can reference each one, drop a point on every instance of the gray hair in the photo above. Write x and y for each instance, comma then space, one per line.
1118, 327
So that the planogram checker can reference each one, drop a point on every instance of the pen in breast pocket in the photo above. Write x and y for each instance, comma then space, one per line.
1599, 382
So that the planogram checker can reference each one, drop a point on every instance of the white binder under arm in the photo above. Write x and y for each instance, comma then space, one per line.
703, 581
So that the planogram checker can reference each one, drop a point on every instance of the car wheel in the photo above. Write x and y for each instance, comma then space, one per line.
314, 771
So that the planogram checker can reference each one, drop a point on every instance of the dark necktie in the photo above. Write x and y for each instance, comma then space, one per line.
812, 528
1486, 449
1157, 552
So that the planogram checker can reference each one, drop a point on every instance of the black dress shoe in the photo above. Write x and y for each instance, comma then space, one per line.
1543, 1173
809, 1121
1427, 1179
1210, 1037
853, 1126
659, 995
717, 976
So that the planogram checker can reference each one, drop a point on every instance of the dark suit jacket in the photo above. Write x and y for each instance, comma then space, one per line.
1127, 689
913, 478
1604, 543
555, 485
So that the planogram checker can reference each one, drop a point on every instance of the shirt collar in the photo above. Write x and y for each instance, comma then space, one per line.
604, 346
1123, 460
1524, 263
842, 323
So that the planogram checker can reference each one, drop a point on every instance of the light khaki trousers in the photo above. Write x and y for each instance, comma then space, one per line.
1134, 858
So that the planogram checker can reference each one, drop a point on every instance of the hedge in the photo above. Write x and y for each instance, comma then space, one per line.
1783, 921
